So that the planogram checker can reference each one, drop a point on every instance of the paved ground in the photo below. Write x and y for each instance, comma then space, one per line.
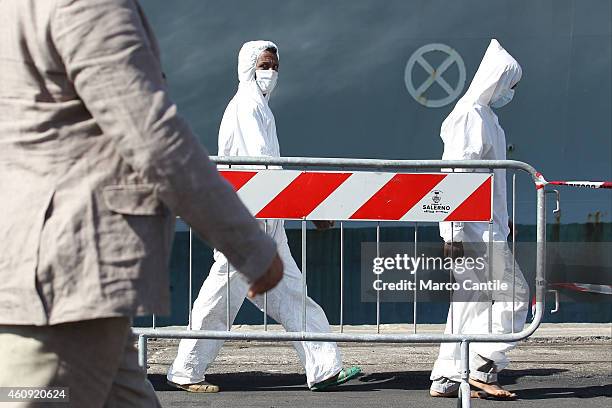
562, 366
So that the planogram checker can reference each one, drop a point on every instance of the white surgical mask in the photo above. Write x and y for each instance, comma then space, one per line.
503, 99
266, 80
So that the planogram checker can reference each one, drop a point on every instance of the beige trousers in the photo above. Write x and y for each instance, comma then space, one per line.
95, 359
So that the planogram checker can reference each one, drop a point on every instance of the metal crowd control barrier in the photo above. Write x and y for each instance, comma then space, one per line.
390, 179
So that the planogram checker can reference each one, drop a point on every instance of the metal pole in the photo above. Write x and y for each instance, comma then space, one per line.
341, 277
154, 325
228, 323
190, 276
464, 388
227, 300
490, 269
513, 246
416, 281
378, 292
304, 275
541, 250
450, 276
142, 352
450, 279
265, 311
378, 165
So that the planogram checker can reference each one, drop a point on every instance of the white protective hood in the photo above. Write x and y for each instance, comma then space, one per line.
472, 132
248, 127
497, 72
247, 60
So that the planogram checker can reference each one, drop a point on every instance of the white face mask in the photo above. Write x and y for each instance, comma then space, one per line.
266, 80
503, 99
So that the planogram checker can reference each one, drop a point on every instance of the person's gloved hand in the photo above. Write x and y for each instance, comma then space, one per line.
269, 279
453, 250
323, 225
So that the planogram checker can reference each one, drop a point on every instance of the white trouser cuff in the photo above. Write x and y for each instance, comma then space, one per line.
177, 379
443, 385
486, 378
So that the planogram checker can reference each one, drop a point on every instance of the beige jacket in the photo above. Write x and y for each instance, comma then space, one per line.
95, 163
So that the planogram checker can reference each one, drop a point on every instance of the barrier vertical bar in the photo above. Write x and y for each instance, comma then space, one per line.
228, 304
513, 246
378, 292
142, 352
450, 279
464, 388
265, 308
341, 277
265, 311
154, 322
190, 276
450, 275
304, 275
227, 301
490, 248
416, 281
541, 251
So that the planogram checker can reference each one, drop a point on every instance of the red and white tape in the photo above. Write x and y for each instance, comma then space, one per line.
364, 196
587, 184
541, 183
585, 287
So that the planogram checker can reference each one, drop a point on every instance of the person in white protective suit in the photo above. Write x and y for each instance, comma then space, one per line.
472, 132
248, 129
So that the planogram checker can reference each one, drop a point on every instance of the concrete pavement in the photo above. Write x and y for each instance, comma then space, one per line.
562, 365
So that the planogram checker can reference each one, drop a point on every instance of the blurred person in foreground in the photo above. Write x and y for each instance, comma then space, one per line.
95, 163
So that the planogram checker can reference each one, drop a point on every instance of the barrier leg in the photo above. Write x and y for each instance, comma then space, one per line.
341, 277
464, 398
416, 280
190, 277
265, 308
304, 294
142, 352
378, 292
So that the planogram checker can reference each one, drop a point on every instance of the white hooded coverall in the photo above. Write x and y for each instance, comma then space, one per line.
248, 129
472, 132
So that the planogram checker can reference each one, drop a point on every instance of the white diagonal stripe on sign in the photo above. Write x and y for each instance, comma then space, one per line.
455, 189
350, 196
264, 187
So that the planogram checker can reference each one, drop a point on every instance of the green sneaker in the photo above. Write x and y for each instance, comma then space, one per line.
343, 376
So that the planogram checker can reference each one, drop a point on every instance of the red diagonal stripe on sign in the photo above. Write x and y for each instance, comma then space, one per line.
397, 196
303, 195
477, 207
237, 178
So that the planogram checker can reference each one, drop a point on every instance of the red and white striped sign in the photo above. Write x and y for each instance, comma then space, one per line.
364, 196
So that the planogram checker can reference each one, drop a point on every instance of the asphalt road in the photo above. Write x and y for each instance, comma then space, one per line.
550, 387
549, 372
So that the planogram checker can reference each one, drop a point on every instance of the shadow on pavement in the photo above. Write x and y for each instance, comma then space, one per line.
244, 381
401, 380
577, 392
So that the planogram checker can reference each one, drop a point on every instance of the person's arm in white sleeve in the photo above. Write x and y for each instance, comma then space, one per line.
108, 56
465, 141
